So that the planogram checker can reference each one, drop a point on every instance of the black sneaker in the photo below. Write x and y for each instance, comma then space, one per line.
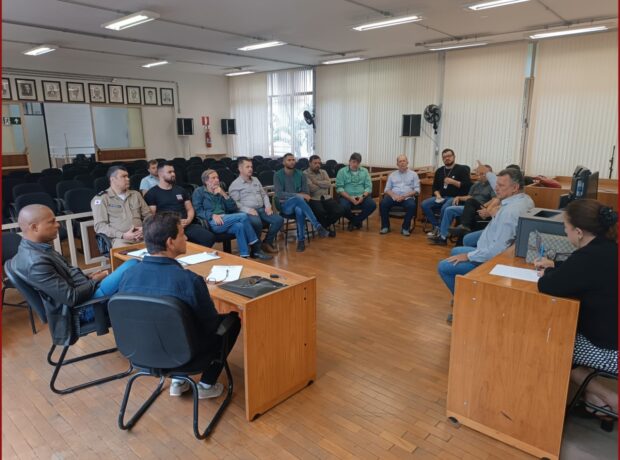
259, 254
323, 233
301, 246
459, 230
332, 234
439, 241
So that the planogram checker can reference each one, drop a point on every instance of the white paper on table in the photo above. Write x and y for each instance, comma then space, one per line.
524, 274
198, 258
140, 253
225, 273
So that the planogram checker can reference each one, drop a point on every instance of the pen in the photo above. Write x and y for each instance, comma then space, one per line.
542, 250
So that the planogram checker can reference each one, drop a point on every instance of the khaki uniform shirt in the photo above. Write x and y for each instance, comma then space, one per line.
113, 216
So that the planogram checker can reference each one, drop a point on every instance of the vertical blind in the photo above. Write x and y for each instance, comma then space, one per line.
248, 105
574, 117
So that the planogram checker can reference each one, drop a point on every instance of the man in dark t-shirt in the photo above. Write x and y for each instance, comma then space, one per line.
167, 196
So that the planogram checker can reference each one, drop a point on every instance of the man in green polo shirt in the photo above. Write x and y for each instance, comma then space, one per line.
355, 188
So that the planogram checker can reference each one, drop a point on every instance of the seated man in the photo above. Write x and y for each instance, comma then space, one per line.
325, 208
480, 194
400, 190
167, 196
214, 205
150, 181
58, 283
291, 189
119, 212
497, 236
160, 274
355, 189
251, 198
451, 180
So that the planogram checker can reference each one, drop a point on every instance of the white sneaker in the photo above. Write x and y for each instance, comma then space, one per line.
212, 392
433, 233
178, 387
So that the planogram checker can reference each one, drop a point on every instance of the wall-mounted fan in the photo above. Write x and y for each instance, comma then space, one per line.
432, 114
309, 119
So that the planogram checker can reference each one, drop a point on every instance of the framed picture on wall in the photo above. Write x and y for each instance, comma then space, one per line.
6, 89
51, 91
133, 95
150, 96
75, 92
26, 89
166, 96
96, 91
115, 94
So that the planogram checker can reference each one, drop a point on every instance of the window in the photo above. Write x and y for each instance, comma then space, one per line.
290, 92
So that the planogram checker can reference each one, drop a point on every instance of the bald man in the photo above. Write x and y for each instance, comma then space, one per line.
58, 283
400, 190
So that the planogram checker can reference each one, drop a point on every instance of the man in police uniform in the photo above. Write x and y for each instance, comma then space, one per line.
119, 212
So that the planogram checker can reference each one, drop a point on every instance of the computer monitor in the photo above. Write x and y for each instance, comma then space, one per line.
583, 185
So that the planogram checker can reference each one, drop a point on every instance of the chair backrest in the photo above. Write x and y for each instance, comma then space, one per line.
49, 184
35, 198
331, 163
226, 175
51, 172
194, 176
22, 189
301, 164
134, 181
153, 332
101, 184
8, 184
30, 294
266, 178
86, 179
78, 199
10, 245
65, 185
33, 177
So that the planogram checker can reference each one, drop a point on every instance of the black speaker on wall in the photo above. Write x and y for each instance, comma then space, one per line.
185, 126
411, 125
228, 126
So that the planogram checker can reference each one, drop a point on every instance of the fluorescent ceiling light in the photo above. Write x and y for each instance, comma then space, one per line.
560, 33
154, 64
131, 20
494, 4
388, 23
41, 49
236, 74
262, 45
453, 47
343, 60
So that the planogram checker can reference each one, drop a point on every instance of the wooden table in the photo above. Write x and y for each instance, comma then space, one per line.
279, 329
510, 358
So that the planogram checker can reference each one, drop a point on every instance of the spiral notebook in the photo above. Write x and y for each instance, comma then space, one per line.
252, 286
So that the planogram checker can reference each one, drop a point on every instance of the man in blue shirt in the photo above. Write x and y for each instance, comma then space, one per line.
150, 181
400, 190
160, 274
497, 236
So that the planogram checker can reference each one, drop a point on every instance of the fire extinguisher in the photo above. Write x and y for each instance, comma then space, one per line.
205, 122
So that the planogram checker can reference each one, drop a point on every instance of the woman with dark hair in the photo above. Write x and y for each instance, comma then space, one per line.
590, 274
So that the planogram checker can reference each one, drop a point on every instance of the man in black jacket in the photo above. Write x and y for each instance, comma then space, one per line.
58, 283
450, 180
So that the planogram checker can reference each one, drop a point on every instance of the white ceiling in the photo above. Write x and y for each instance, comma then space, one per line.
202, 36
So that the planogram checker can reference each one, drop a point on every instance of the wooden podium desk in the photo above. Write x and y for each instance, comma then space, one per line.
279, 329
510, 358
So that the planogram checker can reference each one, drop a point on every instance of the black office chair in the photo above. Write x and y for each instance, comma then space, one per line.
86, 179
226, 175
65, 185
266, 177
34, 198
101, 183
194, 175
10, 246
66, 328
160, 338
51, 172
49, 184
22, 189
134, 181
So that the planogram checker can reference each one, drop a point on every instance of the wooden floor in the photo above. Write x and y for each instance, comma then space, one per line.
383, 346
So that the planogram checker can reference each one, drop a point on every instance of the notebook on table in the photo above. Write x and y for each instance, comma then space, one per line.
252, 286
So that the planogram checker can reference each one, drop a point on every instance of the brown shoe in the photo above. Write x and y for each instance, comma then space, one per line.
269, 248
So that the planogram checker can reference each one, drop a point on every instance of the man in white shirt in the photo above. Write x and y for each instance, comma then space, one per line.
400, 190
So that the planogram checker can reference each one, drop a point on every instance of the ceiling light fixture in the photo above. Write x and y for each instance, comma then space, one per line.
560, 33
494, 4
343, 60
41, 49
236, 74
154, 64
259, 46
453, 47
387, 23
131, 20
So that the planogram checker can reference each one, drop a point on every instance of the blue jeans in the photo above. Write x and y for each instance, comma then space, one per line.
239, 225
298, 207
448, 216
430, 207
275, 222
367, 206
448, 271
387, 203
471, 239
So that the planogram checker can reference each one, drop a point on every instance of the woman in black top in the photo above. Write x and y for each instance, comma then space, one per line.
591, 275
